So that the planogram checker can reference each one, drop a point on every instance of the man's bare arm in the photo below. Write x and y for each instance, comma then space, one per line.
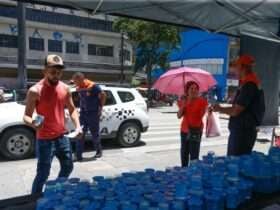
32, 97
102, 97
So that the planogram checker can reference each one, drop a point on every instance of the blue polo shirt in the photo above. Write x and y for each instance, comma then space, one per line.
89, 99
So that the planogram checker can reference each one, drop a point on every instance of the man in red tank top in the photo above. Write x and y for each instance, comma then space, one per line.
48, 98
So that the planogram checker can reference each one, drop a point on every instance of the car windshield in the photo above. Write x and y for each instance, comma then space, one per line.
14, 96
110, 100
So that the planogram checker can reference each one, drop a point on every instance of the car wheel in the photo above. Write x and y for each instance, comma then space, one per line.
129, 134
17, 143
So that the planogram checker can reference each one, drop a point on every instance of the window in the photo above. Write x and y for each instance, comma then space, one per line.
100, 50
72, 47
110, 100
36, 44
9, 41
58, 18
125, 96
55, 46
92, 49
126, 54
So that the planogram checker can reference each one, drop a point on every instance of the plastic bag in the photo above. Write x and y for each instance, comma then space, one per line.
213, 126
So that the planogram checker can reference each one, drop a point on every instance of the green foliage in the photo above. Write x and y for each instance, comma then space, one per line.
153, 41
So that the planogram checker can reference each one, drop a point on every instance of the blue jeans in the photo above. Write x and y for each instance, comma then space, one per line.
189, 149
241, 141
89, 121
45, 151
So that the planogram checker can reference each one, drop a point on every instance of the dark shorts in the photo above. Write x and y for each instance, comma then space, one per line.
241, 141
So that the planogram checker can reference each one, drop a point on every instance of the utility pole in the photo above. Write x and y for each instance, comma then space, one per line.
21, 73
149, 80
122, 58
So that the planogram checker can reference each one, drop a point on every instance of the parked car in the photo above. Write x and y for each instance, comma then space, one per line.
157, 98
124, 118
6, 95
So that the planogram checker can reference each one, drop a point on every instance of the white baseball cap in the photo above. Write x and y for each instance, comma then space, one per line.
54, 61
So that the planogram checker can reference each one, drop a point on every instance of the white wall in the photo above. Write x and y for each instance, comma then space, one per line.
87, 37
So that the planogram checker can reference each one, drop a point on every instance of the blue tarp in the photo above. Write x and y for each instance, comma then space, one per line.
196, 44
156, 73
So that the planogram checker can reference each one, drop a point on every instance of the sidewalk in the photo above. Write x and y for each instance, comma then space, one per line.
17, 177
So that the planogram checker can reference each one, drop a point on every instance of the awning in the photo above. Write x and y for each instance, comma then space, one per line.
233, 17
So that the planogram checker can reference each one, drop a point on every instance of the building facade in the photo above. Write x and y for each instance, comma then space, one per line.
87, 44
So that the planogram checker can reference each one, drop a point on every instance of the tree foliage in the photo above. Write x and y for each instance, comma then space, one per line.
153, 41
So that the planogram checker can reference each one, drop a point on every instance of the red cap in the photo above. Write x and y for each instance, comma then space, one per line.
245, 60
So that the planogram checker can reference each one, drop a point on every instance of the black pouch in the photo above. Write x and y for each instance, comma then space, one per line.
194, 134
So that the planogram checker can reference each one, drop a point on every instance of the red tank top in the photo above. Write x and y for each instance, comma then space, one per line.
51, 105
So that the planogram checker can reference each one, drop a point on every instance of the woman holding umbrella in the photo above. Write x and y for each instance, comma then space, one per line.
189, 83
192, 108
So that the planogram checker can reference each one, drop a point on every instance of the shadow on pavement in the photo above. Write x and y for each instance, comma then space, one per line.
263, 141
108, 144
174, 112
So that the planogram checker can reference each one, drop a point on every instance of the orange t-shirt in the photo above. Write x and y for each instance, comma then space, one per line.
86, 84
193, 114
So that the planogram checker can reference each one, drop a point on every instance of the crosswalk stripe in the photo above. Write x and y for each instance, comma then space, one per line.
152, 133
168, 123
175, 138
159, 129
175, 146
162, 138
152, 127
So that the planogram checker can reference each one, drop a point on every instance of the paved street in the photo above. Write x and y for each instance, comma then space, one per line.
159, 149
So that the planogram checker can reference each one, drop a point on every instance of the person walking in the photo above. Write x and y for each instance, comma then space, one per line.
247, 110
49, 97
192, 108
92, 100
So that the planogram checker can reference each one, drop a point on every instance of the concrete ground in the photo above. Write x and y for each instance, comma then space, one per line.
159, 148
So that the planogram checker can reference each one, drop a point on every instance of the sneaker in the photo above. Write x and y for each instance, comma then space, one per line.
98, 154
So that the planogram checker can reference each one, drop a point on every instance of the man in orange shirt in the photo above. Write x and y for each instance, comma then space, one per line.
192, 108
92, 100
49, 97
247, 110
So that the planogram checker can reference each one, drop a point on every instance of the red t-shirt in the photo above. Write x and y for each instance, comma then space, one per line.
51, 104
193, 114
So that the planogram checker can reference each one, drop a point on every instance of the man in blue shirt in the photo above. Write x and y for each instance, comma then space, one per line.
92, 100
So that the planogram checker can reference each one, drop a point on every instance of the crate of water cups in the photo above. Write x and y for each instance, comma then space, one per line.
213, 183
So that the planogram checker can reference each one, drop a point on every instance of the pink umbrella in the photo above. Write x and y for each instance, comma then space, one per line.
172, 82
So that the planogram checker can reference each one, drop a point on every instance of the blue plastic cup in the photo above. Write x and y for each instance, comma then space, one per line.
212, 201
163, 206
195, 204
98, 178
232, 200
41, 203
